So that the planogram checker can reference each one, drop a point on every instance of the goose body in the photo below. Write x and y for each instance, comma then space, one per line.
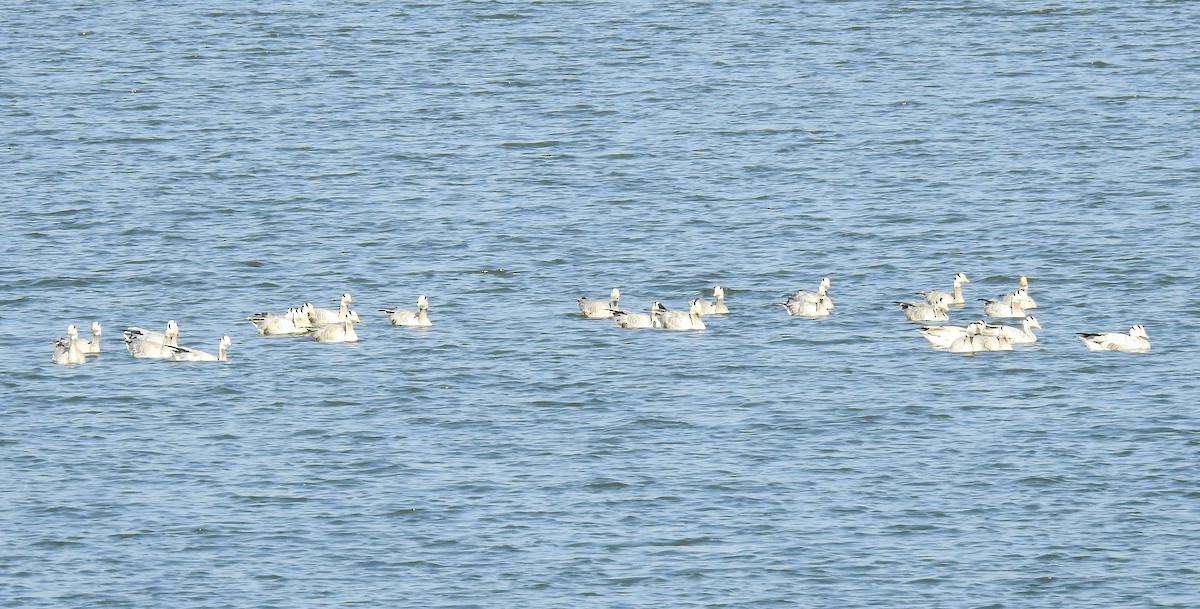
955, 295
627, 319
330, 316
808, 308
1136, 340
678, 320
941, 337
335, 333
599, 309
92, 347
715, 308
294, 321
184, 354
415, 319
68, 350
1015, 335
145, 344
1009, 306
974, 343
1021, 295
924, 311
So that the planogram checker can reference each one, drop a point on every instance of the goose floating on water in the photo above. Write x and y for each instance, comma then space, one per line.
975, 343
599, 309
1015, 335
67, 350
715, 308
1008, 306
147, 344
941, 337
184, 354
1136, 341
956, 296
627, 319
414, 319
678, 320
924, 311
294, 321
335, 333
329, 316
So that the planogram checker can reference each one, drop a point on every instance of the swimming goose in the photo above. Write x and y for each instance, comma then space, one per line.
1021, 295
1136, 341
329, 316
136, 333
67, 349
599, 309
956, 298
715, 308
1015, 335
92, 347
416, 319
821, 295
974, 343
335, 333
144, 344
808, 308
184, 354
941, 337
294, 321
1005, 307
924, 311
626, 319
678, 320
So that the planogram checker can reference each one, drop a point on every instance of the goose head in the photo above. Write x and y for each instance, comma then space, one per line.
422, 302
614, 295
961, 278
1139, 331
1032, 322
72, 331
825, 283
226, 342
1023, 282
96, 328
352, 317
719, 292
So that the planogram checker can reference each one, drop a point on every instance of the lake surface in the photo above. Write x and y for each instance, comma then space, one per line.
203, 162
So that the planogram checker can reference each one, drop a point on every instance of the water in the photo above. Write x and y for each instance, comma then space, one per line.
201, 163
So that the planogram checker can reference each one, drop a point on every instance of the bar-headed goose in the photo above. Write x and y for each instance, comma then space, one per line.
941, 337
67, 349
925, 311
1136, 341
627, 319
1009, 306
974, 343
92, 347
955, 296
414, 319
715, 308
146, 344
329, 316
335, 333
678, 320
1015, 335
184, 354
599, 309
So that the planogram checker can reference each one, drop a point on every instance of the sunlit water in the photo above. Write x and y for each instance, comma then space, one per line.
201, 163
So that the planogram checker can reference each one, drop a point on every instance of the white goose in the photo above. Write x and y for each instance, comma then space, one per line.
820, 296
67, 349
329, 316
599, 309
715, 308
627, 319
414, 319
1021, 295
974, 343
1009, 306
335, 333
924, 311
294, 321
1015, 335
145, 344
941, 337
808, 308
184, 354
1136, 341
956, 297
678, 320
92, 347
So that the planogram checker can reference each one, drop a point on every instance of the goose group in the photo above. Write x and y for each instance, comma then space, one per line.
338, 325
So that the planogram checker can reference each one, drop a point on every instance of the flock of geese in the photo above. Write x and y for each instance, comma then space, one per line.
972, 338
337, 325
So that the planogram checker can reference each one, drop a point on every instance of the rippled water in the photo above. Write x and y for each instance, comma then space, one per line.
200, 163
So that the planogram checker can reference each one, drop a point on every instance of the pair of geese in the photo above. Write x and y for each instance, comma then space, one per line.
333, 326
983, 336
